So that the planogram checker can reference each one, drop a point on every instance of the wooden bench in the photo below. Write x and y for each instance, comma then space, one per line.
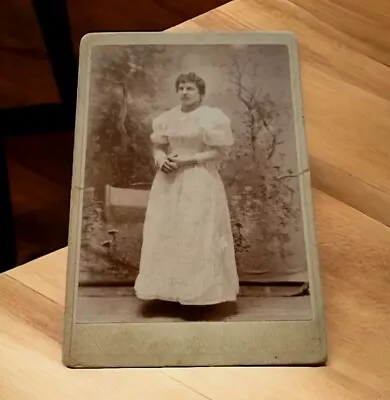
136, 196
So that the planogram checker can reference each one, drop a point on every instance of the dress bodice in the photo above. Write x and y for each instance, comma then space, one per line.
186, 145
192, 132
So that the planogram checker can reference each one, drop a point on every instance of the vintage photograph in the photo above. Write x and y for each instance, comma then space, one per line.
192, 204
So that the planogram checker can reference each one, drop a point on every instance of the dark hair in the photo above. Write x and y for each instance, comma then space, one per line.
191, 77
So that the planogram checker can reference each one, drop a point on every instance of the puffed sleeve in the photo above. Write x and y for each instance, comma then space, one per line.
217, 129
159, 128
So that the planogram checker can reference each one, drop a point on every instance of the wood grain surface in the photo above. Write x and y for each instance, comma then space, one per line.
345, 68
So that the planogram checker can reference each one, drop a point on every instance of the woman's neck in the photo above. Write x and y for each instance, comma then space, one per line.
189, 108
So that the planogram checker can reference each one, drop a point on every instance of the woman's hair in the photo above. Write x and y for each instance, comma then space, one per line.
191, 77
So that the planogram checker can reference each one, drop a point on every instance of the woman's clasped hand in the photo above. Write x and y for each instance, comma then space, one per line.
175, 161
167, 165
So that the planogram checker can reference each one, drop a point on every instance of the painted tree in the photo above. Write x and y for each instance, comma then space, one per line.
265, 210
125, 81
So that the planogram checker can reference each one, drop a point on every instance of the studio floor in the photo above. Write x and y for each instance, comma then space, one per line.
119, 304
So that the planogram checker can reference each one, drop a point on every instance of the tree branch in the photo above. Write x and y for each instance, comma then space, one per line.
273, 148
122, 117
104, 78
237, 76
293, 175
275, 141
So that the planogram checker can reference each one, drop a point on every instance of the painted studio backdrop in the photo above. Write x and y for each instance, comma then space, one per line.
131, 85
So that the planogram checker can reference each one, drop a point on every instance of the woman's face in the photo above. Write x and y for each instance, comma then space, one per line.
188, 94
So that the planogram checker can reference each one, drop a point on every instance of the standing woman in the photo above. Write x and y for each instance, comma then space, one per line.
187, 253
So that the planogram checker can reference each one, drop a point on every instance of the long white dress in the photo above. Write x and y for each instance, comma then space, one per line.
187, 252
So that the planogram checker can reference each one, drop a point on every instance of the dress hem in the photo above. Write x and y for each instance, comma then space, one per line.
185, 302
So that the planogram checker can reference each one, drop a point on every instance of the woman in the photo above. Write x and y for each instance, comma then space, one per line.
187, 253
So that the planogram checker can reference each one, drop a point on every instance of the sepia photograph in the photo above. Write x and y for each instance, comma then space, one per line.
192, 194
191, 186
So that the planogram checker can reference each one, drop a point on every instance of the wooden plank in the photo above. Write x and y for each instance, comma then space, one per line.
363, 27
31, 365
45, 275
351, 190
36, 310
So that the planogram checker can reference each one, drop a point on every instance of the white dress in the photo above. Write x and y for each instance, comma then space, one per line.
187, 252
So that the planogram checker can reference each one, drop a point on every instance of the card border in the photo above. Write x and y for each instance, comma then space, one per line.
191, 343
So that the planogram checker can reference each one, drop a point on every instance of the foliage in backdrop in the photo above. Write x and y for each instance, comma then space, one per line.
130, 86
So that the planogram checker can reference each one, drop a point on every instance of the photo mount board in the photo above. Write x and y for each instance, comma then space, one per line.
169, 344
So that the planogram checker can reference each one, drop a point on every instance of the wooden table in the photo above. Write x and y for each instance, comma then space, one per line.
345, 48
